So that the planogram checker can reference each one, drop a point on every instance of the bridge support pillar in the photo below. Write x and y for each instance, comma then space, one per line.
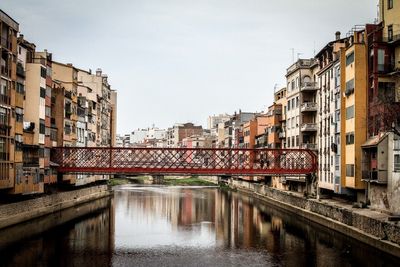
223, 179
158, 179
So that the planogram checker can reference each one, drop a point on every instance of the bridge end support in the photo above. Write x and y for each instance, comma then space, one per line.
157, 179
224, 179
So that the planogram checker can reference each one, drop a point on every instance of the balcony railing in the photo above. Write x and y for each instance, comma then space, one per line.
309, 86
309, 127
30, 161
379, 176
308, 106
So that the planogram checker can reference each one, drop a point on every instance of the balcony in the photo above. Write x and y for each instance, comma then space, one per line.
309, 127
20, 70
376, 176
4, 99
309, 87
5, 43
310, 146
309, 107
5, 71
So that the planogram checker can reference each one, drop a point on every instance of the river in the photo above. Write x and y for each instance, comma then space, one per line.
180, 226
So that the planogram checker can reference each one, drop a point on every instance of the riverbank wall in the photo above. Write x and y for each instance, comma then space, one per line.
364, 225
15, 213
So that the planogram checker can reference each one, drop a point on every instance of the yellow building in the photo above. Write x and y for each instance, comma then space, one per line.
353, 110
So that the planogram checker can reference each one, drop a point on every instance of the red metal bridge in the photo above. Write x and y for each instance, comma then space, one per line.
193, 161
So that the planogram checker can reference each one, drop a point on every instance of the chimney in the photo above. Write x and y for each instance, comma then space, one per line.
98, 72
337, 35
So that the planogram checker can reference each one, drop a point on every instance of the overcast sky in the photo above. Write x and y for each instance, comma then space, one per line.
183, 60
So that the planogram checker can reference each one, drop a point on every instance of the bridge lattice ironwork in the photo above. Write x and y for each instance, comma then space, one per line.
193, 161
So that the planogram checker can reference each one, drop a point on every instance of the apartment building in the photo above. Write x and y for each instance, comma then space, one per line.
301, 112
232, 135
100, 107
8, 49
213, 121
381, 152
329, 109
280, 99
65, 88
179, 131
353, 123
37, 114
269, 128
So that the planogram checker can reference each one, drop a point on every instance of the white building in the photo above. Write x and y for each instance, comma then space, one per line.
138, 136
328, 101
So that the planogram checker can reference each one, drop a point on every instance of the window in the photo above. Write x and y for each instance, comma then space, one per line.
43, 72
381, 60
288, 142
42, 127
297, 121
390, 4
20, 88
350, 112
386, 91
293, 85
350, 138
288, 106
48, 111
297, 140
350, 170
337, 77
19, 114
349, 87
3, 116
390, 33
396, 162
297, 101
349, 58
42, 92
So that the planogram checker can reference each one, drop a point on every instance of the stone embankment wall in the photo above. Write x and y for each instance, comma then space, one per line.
11, 214
361, 224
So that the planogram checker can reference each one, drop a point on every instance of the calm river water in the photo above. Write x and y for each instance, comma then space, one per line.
181, 226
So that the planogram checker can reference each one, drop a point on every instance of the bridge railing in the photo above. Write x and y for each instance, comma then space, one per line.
210, 161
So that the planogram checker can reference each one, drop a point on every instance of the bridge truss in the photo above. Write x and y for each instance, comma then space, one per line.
191, 161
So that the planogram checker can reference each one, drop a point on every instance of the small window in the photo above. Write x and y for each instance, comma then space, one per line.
350, 112
42, 127
350, 170
390, 33
43, 72
349, 87
350, 138
390, 4
349, 58
396, 163
42, 92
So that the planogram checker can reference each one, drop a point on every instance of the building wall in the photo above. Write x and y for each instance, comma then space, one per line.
357, 124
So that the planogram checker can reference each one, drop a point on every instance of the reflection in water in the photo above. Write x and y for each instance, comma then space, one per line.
176, 226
